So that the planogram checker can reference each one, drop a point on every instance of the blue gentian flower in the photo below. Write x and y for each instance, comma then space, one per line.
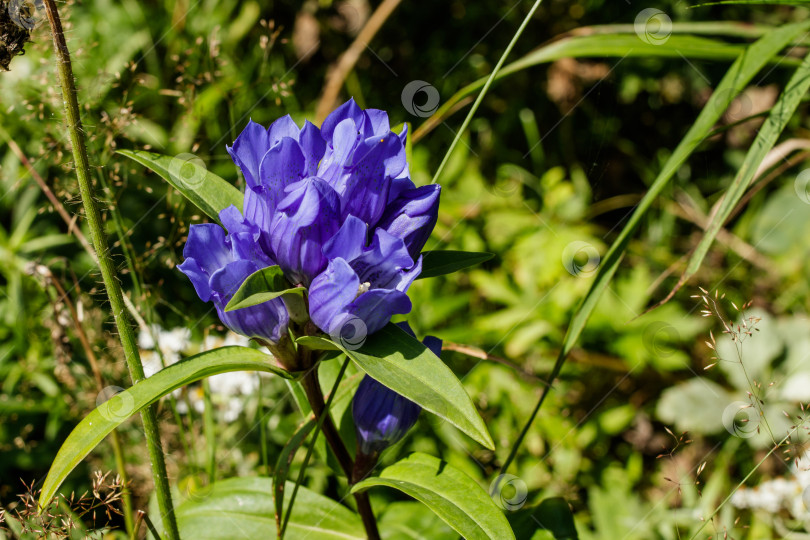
338, 212
334, 208
381, 416
217, 262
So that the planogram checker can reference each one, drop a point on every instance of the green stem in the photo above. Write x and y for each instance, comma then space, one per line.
312, 387
485, 89
126, 496
262, 429
127, 336
315, 434
210, 432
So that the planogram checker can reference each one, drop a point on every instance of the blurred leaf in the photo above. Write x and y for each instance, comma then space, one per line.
781, 113
740, 73
621, 45
440, 262
242, 509
261, 286
207, 191
553, 515
119, 407
696, 405
451, 494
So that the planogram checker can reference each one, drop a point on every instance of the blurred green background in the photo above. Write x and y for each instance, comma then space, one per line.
633, 435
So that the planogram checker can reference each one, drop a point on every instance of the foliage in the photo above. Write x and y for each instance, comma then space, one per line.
579, 136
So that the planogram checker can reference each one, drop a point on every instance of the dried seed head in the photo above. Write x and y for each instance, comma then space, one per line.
15, 31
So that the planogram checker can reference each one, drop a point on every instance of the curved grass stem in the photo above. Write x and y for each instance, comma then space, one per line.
93, 216
485, 89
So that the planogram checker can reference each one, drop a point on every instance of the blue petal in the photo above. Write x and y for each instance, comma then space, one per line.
313, 146
331, 292
248, 149
207, 245
227, 280
350, 240
375, 163
338, 154
258, 212
347, 110
376, 307
378, 121
282, 165
306, 219
434, 344
381, 265
199, 278
413, 216
283, 127
381, 416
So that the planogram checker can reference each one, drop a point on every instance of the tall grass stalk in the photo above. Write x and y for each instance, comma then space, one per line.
126, 334
485, 89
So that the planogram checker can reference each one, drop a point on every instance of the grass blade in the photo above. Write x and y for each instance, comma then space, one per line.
755, 57
779, 116
600, 45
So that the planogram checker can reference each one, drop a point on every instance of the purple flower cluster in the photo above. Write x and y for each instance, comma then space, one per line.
334, 208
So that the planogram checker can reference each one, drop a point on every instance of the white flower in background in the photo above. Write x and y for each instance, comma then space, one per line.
781, 493
228, 390
171, 344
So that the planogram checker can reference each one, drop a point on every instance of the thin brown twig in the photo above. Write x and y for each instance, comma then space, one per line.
337, 75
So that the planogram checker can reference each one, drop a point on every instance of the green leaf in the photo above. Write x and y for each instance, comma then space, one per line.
451, 494
242, 509
767, 135
317, 343
405, 365
261, 286
553, 515
207, 191
440, 262
738, 76
113, 412
407, 520
616, 41
283, 463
